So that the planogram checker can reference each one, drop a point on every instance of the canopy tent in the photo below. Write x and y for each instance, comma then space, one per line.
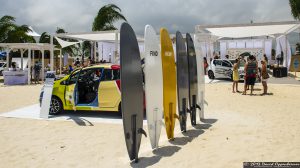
250, 30
30, 47
63, 44
271, 29
32, 32
107, 38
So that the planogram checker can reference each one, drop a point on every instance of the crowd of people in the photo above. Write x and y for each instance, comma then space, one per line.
253, 73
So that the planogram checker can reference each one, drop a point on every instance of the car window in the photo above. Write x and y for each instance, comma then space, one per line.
226, 64
218, 62
107, 75
73, 78
116, 74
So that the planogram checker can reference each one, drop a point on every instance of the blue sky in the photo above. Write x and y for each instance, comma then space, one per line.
78, 15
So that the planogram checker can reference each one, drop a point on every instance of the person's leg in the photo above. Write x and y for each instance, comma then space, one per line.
252, 89
233, 83
245, 86
236, 86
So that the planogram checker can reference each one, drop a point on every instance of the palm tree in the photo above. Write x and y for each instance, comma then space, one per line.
10, 32
295, 8
106, 16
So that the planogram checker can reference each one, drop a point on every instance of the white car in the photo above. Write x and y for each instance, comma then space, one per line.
222, 68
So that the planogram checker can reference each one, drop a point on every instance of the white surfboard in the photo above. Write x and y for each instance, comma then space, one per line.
201, 77
153, 85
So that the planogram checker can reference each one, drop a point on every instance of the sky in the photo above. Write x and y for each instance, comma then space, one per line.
182, 15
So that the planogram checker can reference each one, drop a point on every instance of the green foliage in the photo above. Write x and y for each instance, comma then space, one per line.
10, 32
106, 16
295, 8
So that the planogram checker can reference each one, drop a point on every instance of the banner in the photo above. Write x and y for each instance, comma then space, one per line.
295, 63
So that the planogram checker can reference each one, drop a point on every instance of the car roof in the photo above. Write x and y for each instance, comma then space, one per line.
106, 66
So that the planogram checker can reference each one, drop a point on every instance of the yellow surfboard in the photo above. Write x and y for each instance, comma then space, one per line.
169, 82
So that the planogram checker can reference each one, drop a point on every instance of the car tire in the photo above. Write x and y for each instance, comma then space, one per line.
210, 74
56, 106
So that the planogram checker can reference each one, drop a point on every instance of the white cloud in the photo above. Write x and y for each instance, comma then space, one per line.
78, 15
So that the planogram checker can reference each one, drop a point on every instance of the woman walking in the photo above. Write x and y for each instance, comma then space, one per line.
235, 76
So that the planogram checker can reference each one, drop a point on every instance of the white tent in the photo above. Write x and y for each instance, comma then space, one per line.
30, 47
271, 29
107, 38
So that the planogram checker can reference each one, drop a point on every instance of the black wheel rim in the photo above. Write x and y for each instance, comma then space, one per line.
54, 106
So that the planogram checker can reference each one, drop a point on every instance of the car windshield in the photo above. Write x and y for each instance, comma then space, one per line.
242, 62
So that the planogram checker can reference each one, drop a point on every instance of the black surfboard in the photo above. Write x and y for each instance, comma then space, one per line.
182, 79
193, 85
132, 93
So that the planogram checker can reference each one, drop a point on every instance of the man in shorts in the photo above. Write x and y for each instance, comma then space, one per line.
251, 69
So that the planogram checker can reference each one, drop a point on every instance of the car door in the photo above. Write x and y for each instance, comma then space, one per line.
218, 68
70, 90
227, 69
109, 93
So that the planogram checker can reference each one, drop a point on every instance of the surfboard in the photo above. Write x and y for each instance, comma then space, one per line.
153, 85
193, 85
132, 94
201, 77
169, 82
182, 79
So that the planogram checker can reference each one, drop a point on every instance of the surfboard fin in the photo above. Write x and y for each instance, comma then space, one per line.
205, 102
142, 131
197, 106
176, 116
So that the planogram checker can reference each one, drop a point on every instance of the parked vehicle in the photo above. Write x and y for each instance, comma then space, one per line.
94, 88
223, 68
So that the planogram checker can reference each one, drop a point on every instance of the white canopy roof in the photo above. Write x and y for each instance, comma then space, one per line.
64, 43
33, 46
32, 32
250, 30
108, 36
91, 36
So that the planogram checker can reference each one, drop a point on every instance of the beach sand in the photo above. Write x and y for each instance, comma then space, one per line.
237, 129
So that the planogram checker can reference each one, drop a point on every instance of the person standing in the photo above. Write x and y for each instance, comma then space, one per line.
265, 77
37, 70
235, 76
251, 72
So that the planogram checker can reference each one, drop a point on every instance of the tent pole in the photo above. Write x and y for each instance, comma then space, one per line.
116, 47
7, 58
60, 61
22, 55
29, 66
286, 41
43, 66
95, 51
51, 53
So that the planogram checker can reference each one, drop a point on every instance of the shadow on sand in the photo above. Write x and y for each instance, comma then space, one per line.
77, 116
168, 151
159, 153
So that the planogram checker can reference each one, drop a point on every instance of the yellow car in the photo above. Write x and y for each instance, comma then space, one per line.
94, 88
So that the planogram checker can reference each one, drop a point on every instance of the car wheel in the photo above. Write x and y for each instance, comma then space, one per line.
211, 74
55, 106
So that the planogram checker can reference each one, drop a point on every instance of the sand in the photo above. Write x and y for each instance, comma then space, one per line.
14, 97
238, 128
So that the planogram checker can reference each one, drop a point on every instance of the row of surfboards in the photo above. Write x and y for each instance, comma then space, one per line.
167, 84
